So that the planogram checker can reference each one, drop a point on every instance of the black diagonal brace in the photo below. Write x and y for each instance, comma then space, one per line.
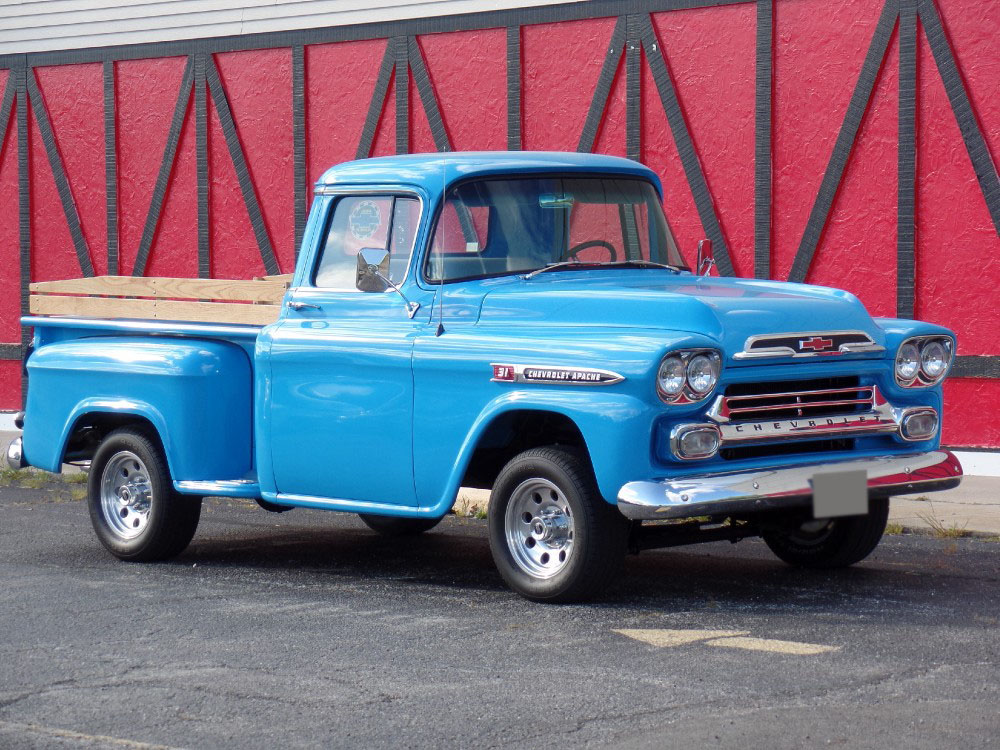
166, 166
602, 91
426, 91
845, 141
240, 164
982, 162
685, 146
377, 103
59, 173
6, 106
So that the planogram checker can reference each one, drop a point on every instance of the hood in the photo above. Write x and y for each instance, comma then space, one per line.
728, 310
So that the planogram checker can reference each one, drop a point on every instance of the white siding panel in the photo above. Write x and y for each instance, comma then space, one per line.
52, 25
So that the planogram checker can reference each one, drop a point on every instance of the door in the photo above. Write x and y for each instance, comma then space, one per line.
341, 396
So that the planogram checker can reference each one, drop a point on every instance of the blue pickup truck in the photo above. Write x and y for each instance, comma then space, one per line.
523, 323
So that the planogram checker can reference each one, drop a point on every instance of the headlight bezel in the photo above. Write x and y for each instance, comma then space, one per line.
687, 394
921, 378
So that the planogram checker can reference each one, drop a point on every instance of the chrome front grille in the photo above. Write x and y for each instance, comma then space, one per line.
806, 399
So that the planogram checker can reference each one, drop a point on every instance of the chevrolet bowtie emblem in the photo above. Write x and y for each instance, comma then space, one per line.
816, 343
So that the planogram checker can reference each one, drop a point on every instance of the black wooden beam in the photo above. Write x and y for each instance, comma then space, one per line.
23, 209
685, 146
633, 103
377, 102
426, 91
602, 91
845, 141
7, 107
242, 169
971, 366
514, 88
982, 162
111, 166
494, 19
201, 168
764, 80
59, 173
906, 161
301, 189
400, 48
10, 352
166, 166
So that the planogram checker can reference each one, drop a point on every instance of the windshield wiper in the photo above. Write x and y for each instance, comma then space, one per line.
611, 264
560, 264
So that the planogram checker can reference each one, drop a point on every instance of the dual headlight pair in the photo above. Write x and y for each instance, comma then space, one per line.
923, 361
688, 375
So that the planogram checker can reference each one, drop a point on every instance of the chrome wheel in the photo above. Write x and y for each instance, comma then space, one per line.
538, 526
126, 495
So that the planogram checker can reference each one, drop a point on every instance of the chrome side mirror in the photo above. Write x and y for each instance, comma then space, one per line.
373, 270
706, 258
373, 275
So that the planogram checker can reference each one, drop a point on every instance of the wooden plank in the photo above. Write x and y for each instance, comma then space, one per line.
154, 309
128, 286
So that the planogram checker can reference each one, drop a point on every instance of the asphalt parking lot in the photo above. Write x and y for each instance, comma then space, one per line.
306, 629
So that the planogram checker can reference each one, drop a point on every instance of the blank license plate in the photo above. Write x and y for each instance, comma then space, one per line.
840, 493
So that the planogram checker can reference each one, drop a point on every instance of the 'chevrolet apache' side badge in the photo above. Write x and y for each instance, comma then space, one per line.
553, 375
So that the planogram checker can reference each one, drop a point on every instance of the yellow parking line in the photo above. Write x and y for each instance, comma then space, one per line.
774, 646
665, 638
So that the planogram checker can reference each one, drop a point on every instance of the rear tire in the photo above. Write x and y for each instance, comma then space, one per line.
391, 526
837, 544
553, 536
134, 509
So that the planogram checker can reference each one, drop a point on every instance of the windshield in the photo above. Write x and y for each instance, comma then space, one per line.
494, 227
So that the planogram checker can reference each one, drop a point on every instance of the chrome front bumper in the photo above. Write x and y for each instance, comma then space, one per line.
782, 488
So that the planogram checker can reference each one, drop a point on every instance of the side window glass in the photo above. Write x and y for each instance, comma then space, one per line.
367, 221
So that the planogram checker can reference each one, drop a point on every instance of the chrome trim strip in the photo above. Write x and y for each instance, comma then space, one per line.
553, 375
787, 351
782, 488
219, 488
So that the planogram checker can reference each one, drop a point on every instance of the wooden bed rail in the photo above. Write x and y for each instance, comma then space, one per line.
255, 302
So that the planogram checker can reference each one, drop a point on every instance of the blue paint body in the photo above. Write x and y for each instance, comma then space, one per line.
353, 405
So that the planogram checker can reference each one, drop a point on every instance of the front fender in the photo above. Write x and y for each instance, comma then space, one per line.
615, 427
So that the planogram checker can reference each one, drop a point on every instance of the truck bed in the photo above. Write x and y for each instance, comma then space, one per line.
247, 302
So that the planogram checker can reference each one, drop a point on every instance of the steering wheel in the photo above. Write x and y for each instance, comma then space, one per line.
573, 251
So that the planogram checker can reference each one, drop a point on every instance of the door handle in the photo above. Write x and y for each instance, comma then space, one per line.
296, 305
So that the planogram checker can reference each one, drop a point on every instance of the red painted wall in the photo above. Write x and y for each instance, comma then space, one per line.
819, 48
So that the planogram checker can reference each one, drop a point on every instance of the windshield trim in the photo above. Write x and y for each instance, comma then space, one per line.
436, 218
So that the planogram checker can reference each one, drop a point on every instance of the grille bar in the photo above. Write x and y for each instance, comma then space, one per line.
802, 406
796, 394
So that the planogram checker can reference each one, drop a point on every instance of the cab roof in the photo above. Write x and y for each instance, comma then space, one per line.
430, 170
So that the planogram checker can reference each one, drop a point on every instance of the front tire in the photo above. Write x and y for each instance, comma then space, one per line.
553, 536
837, 543
134, 509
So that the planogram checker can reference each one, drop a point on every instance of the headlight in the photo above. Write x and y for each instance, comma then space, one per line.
923, 361
670, 378
907, 362
688, 375
933, 359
